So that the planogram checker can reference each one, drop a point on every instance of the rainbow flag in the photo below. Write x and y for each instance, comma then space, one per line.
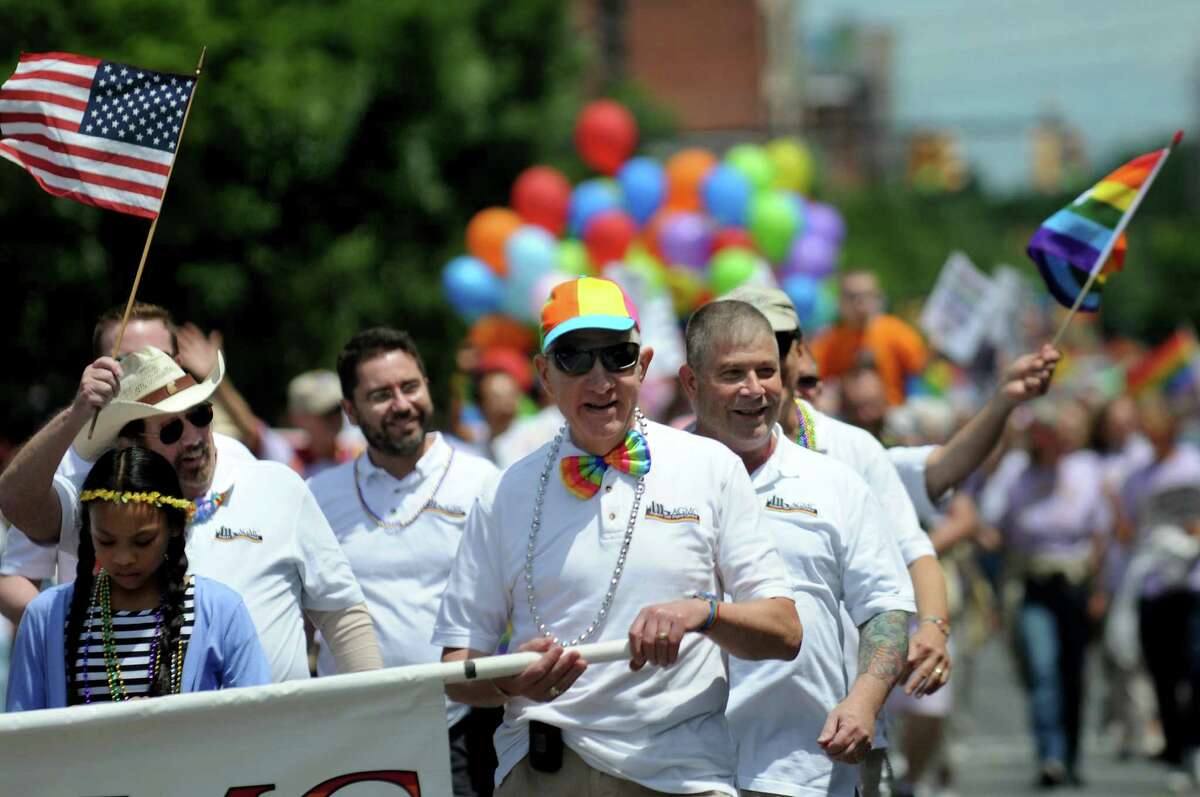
1169, 367
1067, 245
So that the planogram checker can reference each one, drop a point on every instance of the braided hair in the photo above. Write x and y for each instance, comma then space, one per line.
133, 469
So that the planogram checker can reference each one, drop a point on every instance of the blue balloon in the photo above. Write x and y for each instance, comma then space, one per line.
804, 291
531, 253
471, 288
727, 195
645, 186
589, 198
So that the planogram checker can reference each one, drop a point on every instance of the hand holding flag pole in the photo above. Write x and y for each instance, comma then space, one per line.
1113, 239
150, 235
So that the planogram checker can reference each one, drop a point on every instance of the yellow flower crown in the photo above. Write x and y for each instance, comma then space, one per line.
154, 499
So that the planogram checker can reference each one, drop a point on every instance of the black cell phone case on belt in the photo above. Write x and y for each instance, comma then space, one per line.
545, 747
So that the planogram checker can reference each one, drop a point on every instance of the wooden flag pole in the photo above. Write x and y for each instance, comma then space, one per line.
1126, 217
137, 279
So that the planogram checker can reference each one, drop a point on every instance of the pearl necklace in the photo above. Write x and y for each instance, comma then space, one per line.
398, 524
536, 524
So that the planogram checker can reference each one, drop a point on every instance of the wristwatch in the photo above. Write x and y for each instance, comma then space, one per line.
714, 604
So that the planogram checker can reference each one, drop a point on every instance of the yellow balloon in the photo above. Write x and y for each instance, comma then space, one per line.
793, 164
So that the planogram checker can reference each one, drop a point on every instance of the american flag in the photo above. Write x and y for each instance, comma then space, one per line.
98, 132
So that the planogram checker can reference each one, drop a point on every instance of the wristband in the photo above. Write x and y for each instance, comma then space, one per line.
713, 608
940, 622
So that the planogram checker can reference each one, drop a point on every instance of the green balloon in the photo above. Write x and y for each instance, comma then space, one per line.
754, 163
774, 221
729, 268
646, 265
573, 258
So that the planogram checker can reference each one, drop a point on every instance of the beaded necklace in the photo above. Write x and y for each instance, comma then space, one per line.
112, 665
806, 434
209, 504
536, 524
384, 523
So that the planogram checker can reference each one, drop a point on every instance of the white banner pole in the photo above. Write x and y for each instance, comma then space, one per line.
488, 667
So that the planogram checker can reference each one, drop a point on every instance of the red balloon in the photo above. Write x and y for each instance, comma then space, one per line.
733, 236
608, 236
605, 135
541, 196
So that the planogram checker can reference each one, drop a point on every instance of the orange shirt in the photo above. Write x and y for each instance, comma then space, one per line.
895, 348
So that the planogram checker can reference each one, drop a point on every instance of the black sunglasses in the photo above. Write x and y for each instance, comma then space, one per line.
577, 362
199, 417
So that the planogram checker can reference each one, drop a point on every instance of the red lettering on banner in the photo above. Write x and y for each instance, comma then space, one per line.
406, 780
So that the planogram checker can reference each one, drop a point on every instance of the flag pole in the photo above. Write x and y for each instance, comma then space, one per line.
137, 279
1098, 266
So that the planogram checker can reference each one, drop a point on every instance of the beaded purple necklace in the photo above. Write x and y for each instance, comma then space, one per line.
112, 666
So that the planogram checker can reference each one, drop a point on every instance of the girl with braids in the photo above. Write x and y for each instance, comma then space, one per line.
134, 623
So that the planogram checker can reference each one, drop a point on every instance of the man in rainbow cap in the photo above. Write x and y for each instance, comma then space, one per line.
547, 548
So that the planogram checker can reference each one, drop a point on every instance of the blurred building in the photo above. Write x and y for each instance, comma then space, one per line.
733, 71
1057, 159
727, 71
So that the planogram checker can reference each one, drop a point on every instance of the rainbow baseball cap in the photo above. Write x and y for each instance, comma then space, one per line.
586, 303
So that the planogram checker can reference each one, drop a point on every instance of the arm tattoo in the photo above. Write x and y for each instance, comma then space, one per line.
883, 646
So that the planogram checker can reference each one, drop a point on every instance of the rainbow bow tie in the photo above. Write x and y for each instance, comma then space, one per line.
582, 475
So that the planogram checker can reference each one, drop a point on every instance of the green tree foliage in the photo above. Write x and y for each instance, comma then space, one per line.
334, 153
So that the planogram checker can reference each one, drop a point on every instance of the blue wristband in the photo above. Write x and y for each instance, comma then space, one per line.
713, 600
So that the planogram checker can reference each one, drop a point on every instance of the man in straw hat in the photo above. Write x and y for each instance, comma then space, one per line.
257, 527
25, 565
547, 548
798, 725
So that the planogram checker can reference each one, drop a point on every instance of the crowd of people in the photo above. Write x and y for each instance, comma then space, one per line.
800, 552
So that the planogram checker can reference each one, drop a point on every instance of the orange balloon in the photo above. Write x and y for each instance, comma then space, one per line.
686, 171
649, 234
487, 234
501, 331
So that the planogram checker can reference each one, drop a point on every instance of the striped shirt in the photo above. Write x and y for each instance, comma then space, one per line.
132, 632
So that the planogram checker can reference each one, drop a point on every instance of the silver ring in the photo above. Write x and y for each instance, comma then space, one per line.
938, 671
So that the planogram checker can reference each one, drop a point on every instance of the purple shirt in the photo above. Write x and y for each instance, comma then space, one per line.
1056, 511
1181, 467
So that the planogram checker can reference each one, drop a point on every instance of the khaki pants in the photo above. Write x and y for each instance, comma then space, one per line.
575, 779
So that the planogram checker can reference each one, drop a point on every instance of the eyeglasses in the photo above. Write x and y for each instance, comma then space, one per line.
198, 417
785, 341
577, 362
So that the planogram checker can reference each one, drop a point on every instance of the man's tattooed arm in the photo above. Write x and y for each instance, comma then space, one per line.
883, 646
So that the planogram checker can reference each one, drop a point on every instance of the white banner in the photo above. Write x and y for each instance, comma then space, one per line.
380, 733
956, 316
377, 733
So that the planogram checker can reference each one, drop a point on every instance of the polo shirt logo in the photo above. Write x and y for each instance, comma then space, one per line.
682, 514
452, 512
777, 504
226, 534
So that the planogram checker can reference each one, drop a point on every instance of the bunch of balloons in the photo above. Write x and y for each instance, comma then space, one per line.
695, 226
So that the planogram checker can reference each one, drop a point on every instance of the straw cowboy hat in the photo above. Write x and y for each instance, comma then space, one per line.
152, 383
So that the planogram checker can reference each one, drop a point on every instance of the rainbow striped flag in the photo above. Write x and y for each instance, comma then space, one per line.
1169, 367
1068, 244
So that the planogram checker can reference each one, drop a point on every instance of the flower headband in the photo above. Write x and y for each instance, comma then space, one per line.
154, 499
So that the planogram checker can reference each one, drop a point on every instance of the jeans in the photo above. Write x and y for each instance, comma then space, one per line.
1052, 628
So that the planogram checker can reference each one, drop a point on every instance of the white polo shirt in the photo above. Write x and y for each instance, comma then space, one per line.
403, 570
831, 532
24, 557
867, 457
697, 530
910, 462
272, 545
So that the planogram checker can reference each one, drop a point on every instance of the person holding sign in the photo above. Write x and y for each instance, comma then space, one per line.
548, 546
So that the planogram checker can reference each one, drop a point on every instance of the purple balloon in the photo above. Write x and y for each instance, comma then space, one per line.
811, 255
825, 221
686, 239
